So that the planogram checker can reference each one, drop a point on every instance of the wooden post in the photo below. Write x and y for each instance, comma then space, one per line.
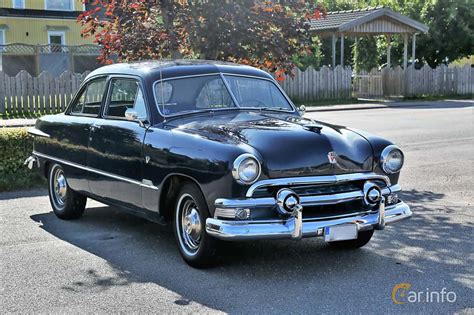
342, 49
405, 50
334, 50
413, 48
389, 46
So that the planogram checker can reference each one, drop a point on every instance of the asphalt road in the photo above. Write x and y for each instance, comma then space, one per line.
110, 261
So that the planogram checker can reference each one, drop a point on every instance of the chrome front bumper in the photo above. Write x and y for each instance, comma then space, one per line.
295, 227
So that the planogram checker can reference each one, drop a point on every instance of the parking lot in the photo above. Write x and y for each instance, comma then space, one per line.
109, 261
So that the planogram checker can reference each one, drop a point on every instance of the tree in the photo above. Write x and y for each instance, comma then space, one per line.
451, 34
264, 34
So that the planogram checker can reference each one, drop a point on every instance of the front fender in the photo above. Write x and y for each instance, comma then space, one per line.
378, 144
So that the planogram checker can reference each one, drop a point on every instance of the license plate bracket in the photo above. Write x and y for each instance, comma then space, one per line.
341, 232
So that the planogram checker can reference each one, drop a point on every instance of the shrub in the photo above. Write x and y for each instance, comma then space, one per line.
15, 146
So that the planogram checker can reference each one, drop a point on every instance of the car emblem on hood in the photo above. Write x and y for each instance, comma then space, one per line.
332, 157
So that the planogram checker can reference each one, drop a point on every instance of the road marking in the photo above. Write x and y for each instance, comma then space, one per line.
437, 141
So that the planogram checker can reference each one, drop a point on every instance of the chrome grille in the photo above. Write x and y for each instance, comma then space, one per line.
324, 197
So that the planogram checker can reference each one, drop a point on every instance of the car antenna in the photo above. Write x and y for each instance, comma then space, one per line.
162, 95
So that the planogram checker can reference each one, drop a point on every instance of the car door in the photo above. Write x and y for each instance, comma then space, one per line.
71, 140
116, 144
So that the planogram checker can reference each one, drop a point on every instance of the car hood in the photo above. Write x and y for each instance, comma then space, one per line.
287, 144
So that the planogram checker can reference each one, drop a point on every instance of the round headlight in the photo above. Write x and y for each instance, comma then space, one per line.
246, 169
391, 159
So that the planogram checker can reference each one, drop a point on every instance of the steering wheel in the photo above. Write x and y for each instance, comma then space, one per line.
253, 103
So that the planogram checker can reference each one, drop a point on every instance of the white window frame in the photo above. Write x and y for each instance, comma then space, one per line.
3, 40
57, 33
20, 7
70, 1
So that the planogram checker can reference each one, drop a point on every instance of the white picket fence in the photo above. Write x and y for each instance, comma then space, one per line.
49, 94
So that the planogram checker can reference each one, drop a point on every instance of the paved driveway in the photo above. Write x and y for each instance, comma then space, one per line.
110, 261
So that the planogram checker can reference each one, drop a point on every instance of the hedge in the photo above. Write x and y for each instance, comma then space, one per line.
15, 146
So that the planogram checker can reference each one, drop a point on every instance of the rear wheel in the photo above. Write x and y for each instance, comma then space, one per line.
196, 247
66, 203
363, 238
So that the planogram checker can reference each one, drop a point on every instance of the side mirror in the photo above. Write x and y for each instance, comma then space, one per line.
302, 110
131, 114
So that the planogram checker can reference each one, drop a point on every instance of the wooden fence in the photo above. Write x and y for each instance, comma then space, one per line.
48, 94
325, 84
37, 95
414, 82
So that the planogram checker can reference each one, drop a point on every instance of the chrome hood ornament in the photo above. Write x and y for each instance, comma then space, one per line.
332, 157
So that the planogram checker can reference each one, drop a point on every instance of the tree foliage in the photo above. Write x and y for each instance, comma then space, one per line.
264, 34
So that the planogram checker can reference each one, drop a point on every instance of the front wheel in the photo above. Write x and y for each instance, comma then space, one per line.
363, 238
66, 203
196, 247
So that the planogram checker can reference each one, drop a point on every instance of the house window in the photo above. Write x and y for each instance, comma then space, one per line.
18, 4
2, 42
56, 40
60, 5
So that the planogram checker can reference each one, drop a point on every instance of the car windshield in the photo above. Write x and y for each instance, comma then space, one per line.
257, 93
209, 92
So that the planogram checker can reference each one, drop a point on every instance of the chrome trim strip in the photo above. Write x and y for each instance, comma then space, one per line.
315, 200
248, 230
318, 200
330, 179
36, 132
94, 170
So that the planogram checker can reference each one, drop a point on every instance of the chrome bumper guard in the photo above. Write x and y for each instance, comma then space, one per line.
31, 161
296, 228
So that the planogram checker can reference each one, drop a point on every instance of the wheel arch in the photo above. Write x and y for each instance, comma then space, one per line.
169, 192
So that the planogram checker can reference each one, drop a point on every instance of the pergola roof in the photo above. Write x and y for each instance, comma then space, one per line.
378, 20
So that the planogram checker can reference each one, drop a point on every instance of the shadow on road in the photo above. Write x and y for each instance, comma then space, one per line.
276, 275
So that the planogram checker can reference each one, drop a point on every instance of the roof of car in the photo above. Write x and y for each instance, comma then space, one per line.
156, 69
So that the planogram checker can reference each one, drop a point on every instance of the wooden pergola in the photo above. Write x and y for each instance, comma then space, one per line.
368, 22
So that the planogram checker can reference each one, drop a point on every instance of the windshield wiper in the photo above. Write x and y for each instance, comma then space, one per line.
278, 109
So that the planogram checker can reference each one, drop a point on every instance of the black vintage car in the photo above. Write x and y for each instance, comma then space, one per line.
219, 150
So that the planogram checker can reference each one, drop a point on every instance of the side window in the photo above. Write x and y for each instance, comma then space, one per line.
79, 106
125, 94
90, 99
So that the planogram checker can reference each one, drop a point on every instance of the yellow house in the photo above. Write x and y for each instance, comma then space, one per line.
41, 22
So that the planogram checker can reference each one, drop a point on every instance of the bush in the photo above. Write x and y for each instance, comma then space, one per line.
15, 146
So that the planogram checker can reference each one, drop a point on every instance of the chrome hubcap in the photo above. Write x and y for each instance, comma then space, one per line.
190, 226
59, 187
